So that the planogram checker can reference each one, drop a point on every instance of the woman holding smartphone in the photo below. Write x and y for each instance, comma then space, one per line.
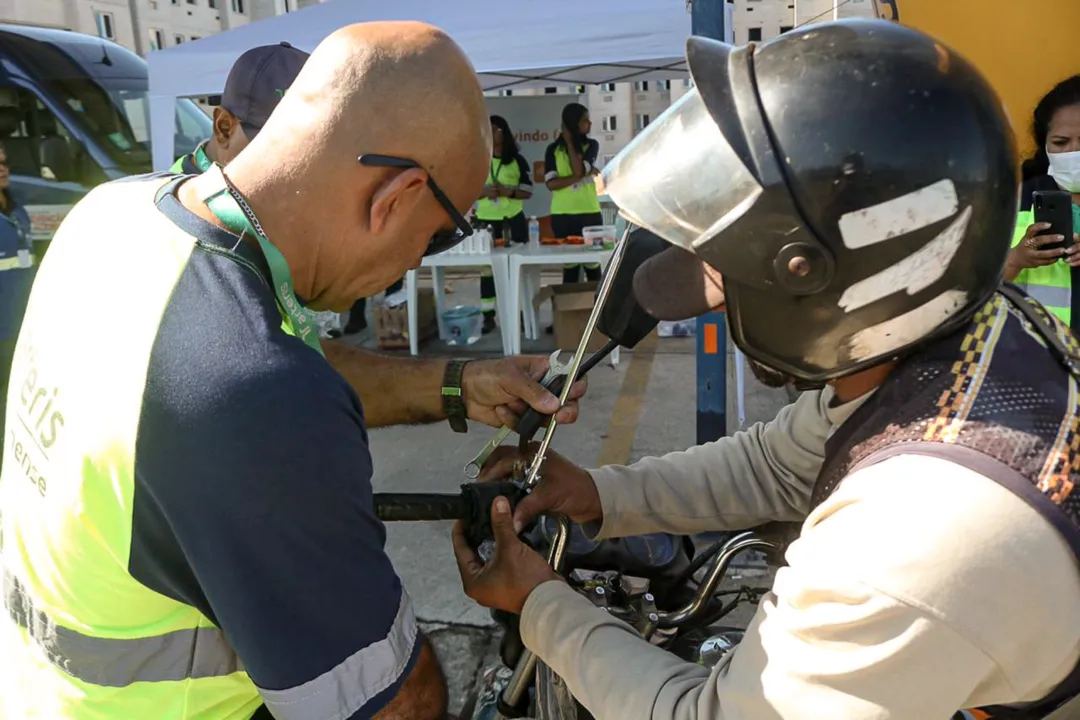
1045, 272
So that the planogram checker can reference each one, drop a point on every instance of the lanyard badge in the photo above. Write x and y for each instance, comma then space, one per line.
231, 208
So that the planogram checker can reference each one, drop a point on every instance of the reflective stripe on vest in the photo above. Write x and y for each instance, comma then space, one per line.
119, 662
507, 174
16, 264
577, 199
1051, 285
342, 690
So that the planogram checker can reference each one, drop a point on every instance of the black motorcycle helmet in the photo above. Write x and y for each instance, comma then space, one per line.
854, 183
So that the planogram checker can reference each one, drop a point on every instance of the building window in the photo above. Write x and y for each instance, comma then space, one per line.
193, 38
664, 85
238, 6
157, 39
608, 87
551, 90
641, 86
610, 123
579, 89
688, 83
753, 34
641, 121
212, 4
105, 27
506, 93
785, 28
178, 39
175, 2
190, 2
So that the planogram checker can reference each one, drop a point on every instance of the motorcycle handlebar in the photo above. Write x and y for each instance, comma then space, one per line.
418, 507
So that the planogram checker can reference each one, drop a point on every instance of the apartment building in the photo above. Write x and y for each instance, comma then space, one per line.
145, 25
760, 20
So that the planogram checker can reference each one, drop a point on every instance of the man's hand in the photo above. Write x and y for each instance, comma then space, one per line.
497, 392
513, 573
566, 488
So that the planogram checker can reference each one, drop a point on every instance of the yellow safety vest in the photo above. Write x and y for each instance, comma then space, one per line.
508, 175
577, 199
1051, 285
80, 637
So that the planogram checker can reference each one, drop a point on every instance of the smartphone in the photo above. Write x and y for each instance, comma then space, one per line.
1054, 207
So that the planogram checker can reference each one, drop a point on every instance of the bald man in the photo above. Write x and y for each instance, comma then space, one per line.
186, 507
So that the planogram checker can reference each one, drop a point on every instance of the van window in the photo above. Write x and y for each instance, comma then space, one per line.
48, 165
103, 91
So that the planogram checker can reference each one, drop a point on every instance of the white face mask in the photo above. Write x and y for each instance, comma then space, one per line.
1065, 169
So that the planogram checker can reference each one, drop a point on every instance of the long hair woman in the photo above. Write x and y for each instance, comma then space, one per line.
502, 203
569, 170
1051, 275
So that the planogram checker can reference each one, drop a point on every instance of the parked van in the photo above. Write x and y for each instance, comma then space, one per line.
74, 113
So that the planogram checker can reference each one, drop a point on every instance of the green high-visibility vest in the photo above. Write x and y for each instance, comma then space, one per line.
508, 175
1051, 285
81, 637
577, 199
193, 163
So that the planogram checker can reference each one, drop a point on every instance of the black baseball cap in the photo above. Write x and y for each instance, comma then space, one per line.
257, 82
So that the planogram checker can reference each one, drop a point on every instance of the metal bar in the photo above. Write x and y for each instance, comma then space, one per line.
736, 545
533, 474
708, 19
526, 666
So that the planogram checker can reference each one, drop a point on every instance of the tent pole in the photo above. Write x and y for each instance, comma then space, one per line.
707, 18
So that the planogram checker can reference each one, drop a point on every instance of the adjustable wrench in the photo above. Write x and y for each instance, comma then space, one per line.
555, 369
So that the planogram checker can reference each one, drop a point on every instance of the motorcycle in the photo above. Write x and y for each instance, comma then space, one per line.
656, 583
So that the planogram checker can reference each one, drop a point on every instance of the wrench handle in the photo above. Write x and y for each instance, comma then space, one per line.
531, 421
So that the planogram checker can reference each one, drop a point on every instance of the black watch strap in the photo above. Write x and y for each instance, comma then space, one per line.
453, 397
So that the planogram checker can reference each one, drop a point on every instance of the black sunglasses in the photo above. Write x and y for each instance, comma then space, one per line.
444, 239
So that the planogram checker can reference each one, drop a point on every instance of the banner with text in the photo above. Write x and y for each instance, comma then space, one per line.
536, 122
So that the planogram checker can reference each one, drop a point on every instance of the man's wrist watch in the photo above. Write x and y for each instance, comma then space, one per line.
453, 396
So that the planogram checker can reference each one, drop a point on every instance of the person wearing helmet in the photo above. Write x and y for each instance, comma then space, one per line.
849, 202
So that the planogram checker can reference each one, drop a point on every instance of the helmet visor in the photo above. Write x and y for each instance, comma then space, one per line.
680, 178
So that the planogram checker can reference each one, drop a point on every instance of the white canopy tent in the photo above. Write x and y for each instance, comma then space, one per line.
512, 43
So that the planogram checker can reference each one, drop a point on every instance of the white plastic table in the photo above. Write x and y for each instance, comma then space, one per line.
498, 260
524, 275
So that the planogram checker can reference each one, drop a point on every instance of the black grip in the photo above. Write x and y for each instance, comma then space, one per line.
531, 421
478, 498
416, 507
472, 505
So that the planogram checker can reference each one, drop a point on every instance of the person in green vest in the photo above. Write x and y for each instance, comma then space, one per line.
502, 206
257, 82
569, 172
1049, 275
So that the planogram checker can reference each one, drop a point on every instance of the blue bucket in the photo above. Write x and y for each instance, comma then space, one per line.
464, 324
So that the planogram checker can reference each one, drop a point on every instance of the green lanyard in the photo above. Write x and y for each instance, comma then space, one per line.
231, 208
201, 159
